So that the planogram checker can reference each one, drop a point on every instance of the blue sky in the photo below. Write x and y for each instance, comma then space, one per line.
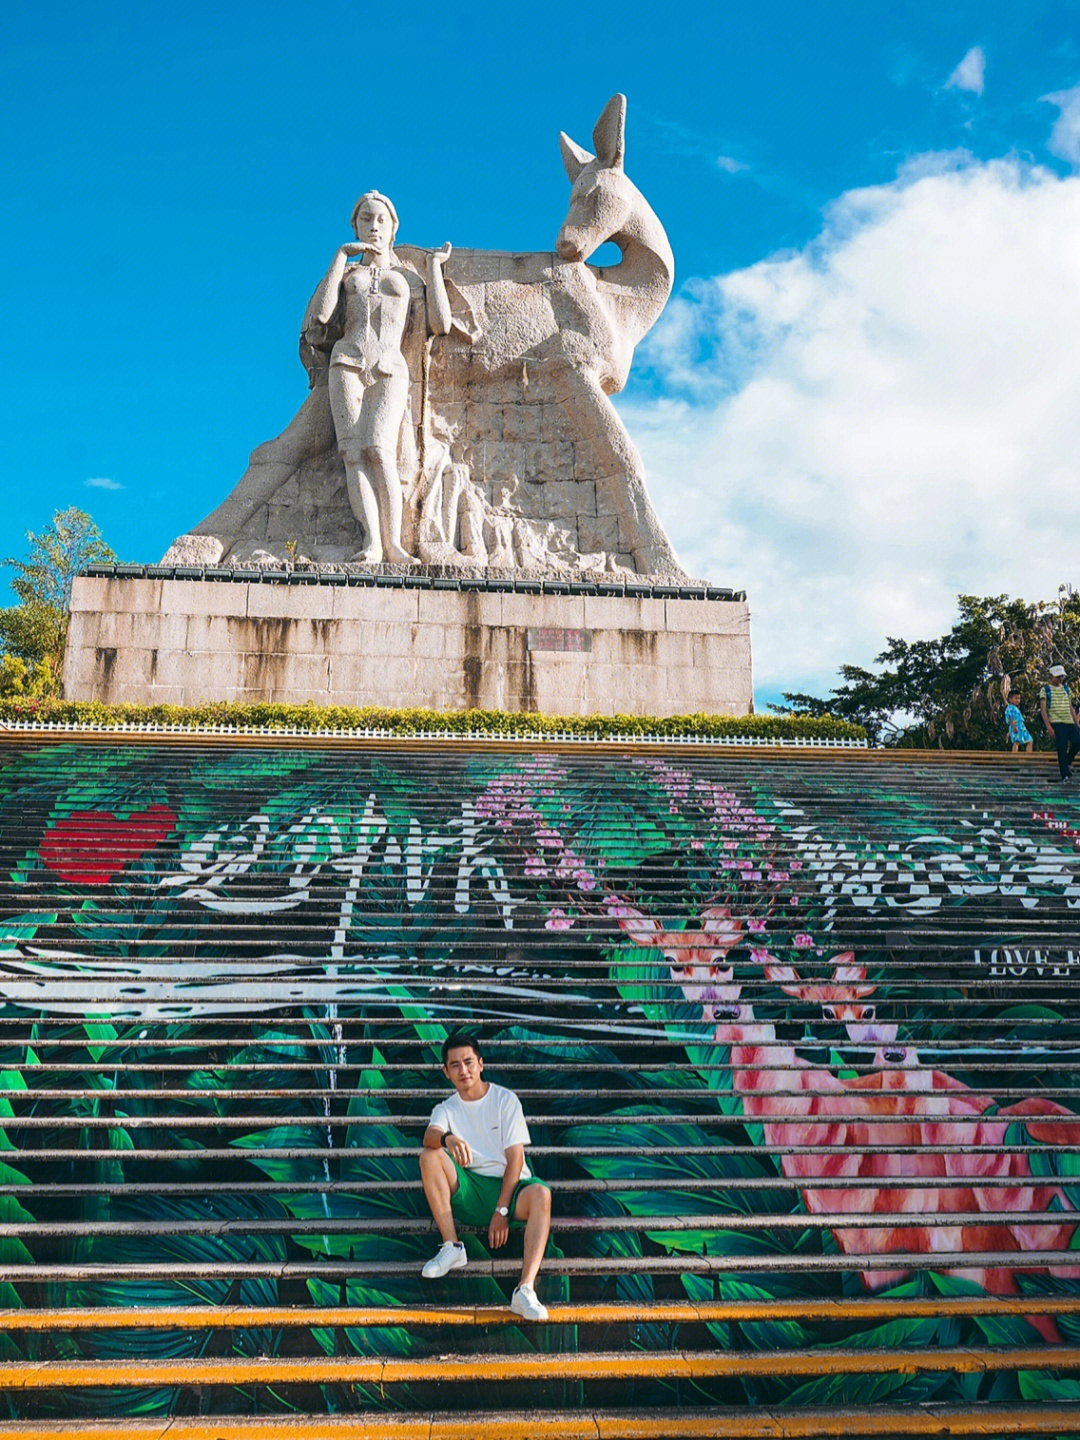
861, 401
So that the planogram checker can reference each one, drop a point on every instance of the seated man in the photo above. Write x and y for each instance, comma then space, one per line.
474, 1170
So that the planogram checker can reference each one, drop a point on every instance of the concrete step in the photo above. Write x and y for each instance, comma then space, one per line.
685, 1423
579, 1267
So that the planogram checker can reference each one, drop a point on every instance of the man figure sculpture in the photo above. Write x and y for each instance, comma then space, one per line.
474, 1171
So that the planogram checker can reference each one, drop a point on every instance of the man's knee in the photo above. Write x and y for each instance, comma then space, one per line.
431, 1161
537, 1201
435, 1163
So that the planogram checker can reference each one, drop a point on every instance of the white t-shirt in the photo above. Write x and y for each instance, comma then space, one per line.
488, 1126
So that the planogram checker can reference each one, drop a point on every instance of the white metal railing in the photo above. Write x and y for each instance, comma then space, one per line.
292, 732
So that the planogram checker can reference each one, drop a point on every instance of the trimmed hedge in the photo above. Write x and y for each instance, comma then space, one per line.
316, 718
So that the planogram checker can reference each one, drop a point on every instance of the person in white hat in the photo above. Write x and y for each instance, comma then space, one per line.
1059, 717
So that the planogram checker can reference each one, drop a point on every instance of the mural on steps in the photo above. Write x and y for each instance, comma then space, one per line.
784, 1027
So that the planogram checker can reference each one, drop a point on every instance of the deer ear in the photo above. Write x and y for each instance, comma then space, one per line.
852, 975
609, 137
642, 929
573, 157
782, 975
718, 917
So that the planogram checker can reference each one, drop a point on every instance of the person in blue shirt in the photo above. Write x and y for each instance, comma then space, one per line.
1014, 723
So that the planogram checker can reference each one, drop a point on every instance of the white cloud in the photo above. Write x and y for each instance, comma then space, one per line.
729, 164
970, 74
1065, 137
890, 417
102, 482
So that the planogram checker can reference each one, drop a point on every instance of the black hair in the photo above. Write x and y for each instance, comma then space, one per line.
458, 1041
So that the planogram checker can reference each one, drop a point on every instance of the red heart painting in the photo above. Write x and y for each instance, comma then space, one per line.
89, 847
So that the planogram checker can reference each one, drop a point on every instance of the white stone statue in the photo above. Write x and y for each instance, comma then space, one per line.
369, 373
459, 412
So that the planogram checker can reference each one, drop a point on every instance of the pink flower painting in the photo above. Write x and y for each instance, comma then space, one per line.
907, 1140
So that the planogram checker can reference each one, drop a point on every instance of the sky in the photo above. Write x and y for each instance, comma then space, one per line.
861, 401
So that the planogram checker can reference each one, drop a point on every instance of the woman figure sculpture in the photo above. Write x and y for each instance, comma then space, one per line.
372, 295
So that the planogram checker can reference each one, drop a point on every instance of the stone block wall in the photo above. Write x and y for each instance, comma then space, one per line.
152, 640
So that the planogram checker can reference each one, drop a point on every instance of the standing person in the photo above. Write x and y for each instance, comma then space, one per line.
1059, 717
474, 1171
1014, 723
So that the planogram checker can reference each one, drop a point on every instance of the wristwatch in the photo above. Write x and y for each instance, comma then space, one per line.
503, 1210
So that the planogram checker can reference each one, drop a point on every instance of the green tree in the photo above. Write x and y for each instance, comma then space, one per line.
33, 632
951, 692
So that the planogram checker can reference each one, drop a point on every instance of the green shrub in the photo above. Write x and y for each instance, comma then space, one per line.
26, 679
314, 719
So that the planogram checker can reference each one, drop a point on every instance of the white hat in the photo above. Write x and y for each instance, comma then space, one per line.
1057, 670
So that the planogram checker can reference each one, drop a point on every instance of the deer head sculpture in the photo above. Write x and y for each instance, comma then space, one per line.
606, 205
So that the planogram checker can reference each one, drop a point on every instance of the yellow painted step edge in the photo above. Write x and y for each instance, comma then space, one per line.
276, 1370
607, 1425
211, 1317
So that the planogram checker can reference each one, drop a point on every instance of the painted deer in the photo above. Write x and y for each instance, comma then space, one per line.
698, 958
823, 1127
843, 1001
545, 328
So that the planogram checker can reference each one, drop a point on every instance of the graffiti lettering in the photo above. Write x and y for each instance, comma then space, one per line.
310, 843
417, 877
211, 868
920, 874
1016, 963
204, 868
475, 856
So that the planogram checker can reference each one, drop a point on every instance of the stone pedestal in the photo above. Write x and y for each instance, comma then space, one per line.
150, 638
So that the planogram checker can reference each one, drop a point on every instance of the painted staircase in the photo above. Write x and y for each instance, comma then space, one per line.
796, 1034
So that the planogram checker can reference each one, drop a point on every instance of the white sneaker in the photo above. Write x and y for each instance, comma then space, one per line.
451, 1256
523, 1302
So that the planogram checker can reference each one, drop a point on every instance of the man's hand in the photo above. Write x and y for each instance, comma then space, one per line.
458, 1150
498, 1230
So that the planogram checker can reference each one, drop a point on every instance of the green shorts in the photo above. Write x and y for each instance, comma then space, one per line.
474, 1201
